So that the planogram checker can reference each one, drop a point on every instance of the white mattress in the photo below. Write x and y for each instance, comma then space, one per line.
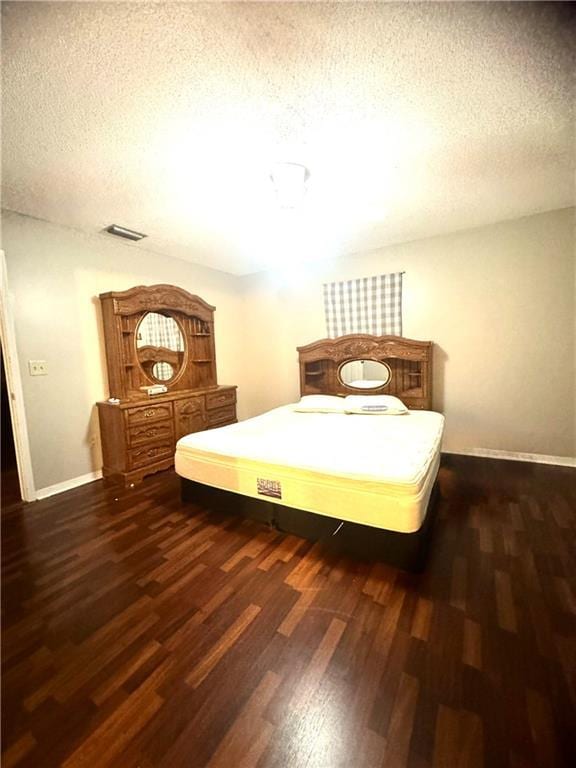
370, 469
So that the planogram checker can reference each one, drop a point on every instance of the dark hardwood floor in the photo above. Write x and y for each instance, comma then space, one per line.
140, 632
9, 487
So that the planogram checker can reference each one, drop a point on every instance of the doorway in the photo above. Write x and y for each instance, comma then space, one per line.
10, 484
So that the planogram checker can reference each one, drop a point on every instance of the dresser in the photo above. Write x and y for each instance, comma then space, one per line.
157, 335
139, 439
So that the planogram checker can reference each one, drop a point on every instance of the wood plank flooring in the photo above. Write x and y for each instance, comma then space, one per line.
140, 632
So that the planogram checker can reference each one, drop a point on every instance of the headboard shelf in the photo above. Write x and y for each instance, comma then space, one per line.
409, 363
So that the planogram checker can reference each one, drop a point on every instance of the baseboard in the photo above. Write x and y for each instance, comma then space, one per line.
67, 485
534, 458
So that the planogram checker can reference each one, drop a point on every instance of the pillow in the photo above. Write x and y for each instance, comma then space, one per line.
376, 404
319, 404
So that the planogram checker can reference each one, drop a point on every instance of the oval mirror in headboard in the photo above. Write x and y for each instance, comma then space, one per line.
364, 374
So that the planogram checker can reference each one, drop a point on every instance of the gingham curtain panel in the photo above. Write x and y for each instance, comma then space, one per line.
368, 305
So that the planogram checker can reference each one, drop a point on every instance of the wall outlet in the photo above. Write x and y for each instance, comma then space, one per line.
38, 367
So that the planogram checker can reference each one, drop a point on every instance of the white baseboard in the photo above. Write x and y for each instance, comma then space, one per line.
534, 458
67, 485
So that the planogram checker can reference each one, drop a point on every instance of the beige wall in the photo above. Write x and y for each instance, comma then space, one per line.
54, 276
499, 304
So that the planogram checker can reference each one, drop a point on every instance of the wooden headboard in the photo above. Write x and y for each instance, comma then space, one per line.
410, 364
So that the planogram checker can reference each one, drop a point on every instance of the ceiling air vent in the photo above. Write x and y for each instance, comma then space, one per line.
128, 234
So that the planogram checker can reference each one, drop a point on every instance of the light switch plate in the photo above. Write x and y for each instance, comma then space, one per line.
38, 367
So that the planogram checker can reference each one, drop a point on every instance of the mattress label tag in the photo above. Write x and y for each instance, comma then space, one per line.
269, 488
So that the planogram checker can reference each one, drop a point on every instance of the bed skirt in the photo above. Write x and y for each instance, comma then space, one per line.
407, 551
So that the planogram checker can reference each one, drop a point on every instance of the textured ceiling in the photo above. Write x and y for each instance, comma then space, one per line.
413, 119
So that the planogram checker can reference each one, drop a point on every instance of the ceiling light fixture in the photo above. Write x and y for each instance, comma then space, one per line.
128, 234
289, 180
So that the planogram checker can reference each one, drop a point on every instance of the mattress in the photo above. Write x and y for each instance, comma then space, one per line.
370, 469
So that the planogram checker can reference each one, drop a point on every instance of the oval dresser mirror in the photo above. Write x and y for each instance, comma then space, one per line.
160, 346
364, 374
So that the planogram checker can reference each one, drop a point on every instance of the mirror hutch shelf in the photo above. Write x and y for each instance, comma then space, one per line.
157, 335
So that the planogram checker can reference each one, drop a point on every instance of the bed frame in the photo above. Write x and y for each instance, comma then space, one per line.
409, 361
410, 364
407, 551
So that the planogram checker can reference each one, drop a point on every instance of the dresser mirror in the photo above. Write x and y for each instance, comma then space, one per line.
160, 346
158, 334
364, 374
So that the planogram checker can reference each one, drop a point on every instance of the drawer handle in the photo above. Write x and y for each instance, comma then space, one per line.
149, 451
148, 432
147, 414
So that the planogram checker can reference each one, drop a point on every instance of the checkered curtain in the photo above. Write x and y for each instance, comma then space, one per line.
368, 305
157, 330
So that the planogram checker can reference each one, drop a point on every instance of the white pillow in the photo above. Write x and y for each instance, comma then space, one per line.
386, 405
319, 404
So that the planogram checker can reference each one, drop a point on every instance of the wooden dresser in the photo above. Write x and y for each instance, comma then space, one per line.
138, 439
157, 335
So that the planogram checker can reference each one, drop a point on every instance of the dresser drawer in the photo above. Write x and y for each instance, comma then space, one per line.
218, 399
150, 454
146, 432
149, 412
222, 415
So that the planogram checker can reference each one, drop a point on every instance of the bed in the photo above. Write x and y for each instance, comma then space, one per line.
364, 482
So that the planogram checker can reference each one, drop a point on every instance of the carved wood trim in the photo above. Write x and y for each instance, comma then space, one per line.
149, 354
157, 298
357, 344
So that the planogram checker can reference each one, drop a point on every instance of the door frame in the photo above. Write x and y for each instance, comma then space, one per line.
15, 391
